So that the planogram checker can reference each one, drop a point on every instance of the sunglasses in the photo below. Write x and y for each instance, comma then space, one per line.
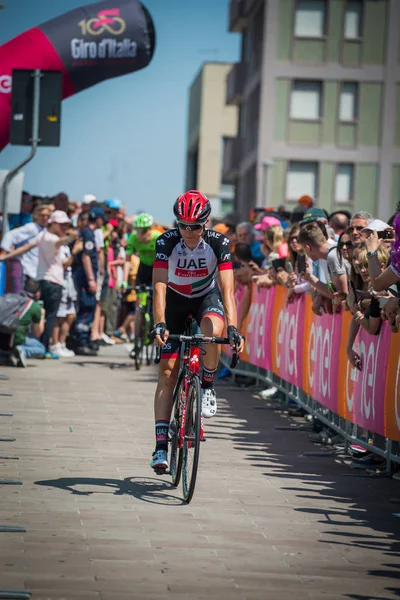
188, 226
293, 238
346, 244
143, 229
359, 228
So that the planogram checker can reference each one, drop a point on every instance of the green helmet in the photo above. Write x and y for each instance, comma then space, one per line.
143, 221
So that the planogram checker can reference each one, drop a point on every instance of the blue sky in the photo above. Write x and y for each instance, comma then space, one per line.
126, 136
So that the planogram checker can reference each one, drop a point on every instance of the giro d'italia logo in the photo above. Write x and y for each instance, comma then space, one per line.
107, 20
5, 84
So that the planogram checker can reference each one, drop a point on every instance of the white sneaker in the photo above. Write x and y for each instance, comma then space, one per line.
56, 349
268, 392
208, 403
20, 355
107, 340
61, 351
67, 353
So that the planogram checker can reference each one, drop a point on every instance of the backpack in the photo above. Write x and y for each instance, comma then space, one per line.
12, 308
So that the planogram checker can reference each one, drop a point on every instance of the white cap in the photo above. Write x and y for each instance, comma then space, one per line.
377, 225
88, 199
59, 216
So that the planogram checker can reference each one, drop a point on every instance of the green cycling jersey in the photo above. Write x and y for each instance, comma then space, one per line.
145, 251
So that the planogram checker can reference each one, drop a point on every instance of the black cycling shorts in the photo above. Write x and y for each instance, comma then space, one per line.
178, 310
144, 275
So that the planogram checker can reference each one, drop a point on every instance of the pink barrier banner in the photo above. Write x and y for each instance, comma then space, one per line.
321, 357
365, 396
287, 328
310, 352
259, 327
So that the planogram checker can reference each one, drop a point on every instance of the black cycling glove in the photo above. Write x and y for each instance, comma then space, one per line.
160, 330
234, 336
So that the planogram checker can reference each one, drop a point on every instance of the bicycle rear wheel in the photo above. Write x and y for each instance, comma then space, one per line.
175, 459
191, 443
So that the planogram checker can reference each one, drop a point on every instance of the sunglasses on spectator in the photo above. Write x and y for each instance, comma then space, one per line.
293, 238
346, 244
194, 227
359, 228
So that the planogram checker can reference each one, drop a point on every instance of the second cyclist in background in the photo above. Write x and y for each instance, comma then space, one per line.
143, 243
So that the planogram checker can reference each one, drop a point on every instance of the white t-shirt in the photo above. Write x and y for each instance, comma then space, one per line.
323, 266
99, 238
50, 265
19, 237
120, 270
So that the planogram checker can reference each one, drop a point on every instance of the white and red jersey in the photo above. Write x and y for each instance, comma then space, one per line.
192, 273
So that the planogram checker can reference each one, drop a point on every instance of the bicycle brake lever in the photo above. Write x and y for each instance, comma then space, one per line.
158, 355
235, 360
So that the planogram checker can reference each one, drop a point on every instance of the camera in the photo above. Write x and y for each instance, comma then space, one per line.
301, 263
385, 235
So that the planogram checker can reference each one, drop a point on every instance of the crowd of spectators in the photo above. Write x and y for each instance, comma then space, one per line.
66, 262
343, 261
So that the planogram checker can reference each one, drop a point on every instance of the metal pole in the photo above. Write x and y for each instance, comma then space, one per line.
34, 141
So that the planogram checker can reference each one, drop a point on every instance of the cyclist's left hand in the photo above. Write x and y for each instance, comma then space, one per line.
160, 334
236, 339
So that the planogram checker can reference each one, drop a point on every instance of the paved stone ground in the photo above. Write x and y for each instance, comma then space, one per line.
265, 522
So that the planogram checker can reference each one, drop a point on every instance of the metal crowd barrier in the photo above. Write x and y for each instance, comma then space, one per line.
384, 447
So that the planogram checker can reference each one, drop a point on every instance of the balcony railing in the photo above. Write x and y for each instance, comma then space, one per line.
239, 10
235, 83
237, 15
248, 6
232, 158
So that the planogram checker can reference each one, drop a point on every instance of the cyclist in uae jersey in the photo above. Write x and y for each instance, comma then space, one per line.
189, 259
143, 243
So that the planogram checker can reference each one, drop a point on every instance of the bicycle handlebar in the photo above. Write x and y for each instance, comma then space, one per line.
200, 338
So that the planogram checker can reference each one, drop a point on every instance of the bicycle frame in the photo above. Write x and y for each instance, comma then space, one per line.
191, 365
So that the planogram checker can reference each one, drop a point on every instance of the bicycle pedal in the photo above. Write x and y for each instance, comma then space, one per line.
203, 439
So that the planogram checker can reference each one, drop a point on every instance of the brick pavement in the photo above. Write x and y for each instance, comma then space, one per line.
265, 522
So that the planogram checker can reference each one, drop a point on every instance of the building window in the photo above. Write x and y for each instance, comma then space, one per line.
305, 102
344, 185
348, 102
310, 18
301, 179
353, 20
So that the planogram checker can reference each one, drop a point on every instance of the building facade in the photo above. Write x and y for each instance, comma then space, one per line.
318, 91
210, 123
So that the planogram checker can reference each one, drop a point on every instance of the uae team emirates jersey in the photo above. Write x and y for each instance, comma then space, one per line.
192, 273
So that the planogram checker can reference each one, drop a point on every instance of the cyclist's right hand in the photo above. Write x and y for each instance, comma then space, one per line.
160, 334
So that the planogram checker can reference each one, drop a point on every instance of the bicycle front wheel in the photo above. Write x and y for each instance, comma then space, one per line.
175, 459
191, 442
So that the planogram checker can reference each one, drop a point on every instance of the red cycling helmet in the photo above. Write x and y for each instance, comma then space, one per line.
192, 207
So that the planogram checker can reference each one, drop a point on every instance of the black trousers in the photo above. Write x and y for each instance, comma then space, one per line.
51, 295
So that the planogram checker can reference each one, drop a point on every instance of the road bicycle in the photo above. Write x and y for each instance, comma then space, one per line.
143, 348
186, 427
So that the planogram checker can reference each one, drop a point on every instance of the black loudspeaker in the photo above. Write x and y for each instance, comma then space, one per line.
22, 107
